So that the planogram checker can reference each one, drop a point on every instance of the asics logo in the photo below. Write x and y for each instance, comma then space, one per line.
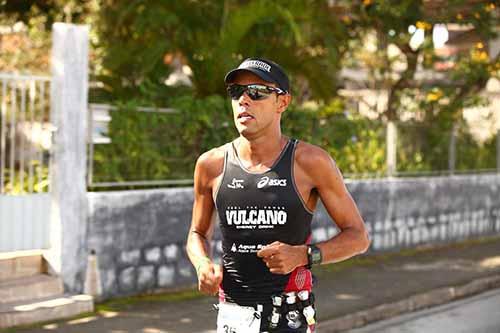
266, 181
236, 183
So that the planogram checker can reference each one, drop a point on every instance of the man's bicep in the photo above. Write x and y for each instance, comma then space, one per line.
202, 219
203, 205
335, 196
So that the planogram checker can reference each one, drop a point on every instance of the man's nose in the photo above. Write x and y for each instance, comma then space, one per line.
244, 99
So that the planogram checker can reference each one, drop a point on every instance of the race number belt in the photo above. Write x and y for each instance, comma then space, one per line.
233, 318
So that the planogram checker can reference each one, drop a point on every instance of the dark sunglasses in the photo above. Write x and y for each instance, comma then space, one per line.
256, 92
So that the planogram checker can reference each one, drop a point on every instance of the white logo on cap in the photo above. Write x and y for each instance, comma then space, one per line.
257, 64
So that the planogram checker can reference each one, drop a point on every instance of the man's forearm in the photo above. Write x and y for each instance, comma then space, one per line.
198, 249
348, 243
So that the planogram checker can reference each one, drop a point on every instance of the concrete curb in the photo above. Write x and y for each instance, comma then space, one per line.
413, 303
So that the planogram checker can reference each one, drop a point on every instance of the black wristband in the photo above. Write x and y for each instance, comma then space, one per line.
314, 256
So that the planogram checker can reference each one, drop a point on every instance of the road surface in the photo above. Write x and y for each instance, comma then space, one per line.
477, 314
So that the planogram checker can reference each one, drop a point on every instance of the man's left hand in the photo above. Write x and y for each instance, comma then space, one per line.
283, 258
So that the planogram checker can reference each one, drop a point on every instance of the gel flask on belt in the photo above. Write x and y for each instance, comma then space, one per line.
276, 314
293, 316
308, 311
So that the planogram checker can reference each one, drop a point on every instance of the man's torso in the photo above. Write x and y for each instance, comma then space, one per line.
255, 209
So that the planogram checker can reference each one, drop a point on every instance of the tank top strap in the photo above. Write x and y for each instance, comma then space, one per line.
232, 156
286, 161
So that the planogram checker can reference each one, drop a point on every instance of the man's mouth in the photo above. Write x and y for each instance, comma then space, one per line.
245, 116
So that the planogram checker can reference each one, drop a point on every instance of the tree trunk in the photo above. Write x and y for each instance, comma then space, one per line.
393, 102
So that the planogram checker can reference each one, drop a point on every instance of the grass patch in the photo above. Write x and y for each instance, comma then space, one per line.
346, 264
118, 304
376, 258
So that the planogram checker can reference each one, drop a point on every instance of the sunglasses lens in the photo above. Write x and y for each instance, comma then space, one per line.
258, 92
235, 91
255, 92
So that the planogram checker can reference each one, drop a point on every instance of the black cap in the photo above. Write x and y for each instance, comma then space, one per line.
265, 69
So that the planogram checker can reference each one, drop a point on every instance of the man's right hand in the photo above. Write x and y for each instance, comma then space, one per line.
209, 277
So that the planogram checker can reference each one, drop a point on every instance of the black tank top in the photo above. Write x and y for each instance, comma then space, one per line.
256, 209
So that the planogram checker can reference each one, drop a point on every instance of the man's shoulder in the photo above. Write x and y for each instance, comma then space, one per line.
317, 164
309, 155
213, 159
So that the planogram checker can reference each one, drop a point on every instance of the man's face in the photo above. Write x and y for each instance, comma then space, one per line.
254, 117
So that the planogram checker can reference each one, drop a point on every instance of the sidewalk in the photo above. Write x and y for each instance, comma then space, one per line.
348, 294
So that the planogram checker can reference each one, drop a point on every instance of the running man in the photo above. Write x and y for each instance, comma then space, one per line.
264, 188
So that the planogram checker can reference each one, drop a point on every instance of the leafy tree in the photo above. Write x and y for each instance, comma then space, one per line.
389, 20
134, 42
214, 36
25, 41
394, 66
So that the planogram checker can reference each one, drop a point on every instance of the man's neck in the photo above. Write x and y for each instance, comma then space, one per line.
260, 151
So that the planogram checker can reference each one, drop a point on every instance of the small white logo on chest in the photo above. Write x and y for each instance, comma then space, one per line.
236, 183
266, 181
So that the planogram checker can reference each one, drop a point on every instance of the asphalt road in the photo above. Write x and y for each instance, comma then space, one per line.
341, 291
477, 314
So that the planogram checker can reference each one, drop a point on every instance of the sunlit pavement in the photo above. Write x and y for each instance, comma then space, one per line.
479, 313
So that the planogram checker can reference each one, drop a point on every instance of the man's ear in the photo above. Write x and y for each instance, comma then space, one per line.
283, 102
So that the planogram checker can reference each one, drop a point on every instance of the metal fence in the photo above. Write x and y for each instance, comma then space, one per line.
25, 146
433, 149
121, 159
100, 116
25, 134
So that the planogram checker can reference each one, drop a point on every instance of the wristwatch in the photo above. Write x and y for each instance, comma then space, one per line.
314, 256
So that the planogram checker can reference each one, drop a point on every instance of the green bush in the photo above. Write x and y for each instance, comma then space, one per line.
159, 146
425, 147
356, 144
21, 183
156, 146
